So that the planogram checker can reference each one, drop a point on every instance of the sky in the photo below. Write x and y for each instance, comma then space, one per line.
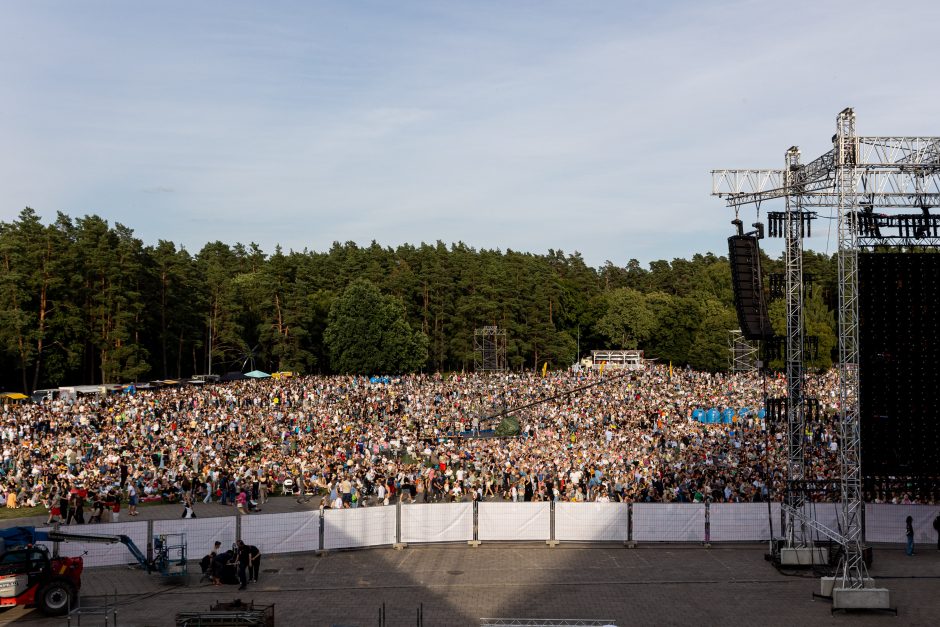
524, 125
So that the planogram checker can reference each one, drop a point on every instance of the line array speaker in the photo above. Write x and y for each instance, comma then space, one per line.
744, 255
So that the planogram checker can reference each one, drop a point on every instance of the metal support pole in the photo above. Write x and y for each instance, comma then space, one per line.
398, 543
852, 569
630, 543
238, 525
708, 526
475, 542
321, 531
552, 542
150, 542
795, 531
551, 520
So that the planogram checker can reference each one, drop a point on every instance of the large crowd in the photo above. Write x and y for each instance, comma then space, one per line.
355, 442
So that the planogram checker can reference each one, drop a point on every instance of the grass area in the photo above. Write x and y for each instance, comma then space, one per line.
22, 512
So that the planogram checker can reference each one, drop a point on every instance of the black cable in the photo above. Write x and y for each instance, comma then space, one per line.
511, 410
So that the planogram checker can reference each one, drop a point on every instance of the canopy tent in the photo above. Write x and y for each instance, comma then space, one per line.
257, 374
233, 376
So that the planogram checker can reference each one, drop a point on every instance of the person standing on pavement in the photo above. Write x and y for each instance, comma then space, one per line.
132, 499
910, 535
242, 558
262, 489
254, 563
936, 527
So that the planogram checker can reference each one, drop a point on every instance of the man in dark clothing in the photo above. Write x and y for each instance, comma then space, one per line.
243, 558
254, 563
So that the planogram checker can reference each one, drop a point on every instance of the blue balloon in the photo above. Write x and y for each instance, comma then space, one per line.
761, 413
744, 411
711, 416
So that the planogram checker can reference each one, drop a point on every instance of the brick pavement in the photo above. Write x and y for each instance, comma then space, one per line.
650, 585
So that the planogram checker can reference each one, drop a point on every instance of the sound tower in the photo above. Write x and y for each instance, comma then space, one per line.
744, 255
899, 369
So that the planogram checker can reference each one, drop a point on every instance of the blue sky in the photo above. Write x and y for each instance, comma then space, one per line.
588, 126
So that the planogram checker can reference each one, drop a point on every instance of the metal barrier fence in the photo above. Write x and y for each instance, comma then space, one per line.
495, 522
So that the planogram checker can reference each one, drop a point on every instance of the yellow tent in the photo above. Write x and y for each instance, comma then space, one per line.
13, 396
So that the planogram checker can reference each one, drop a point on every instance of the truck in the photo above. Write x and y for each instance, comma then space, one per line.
30, 575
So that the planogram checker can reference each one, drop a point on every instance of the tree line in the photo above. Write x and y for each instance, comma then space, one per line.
85, 302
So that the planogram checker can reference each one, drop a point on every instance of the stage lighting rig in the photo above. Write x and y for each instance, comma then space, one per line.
859, 175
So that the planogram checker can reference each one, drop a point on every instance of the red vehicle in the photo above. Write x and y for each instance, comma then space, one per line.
29, 575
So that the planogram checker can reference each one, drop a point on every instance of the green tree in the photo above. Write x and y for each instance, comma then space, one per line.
368, 333
628, 320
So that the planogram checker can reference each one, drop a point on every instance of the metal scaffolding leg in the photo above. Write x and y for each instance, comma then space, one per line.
742, 354
795, 533
852, 569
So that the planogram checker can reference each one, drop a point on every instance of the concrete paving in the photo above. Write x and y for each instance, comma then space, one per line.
457, 585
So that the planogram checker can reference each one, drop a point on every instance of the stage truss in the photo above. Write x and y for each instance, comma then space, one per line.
859, 180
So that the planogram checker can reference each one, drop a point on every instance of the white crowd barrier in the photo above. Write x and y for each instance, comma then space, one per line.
201, 533
282, 533
885, 522
743, 522
514, 521
454, 522
669, 522
361, 526
592, 522
445, 522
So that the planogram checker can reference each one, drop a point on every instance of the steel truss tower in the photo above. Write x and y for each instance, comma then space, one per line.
489, 349
742, 354
856, 177
795, 532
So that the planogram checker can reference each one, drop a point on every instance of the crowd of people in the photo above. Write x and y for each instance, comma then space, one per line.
623, 436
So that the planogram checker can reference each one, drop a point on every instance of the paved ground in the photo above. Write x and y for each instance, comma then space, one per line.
457, 585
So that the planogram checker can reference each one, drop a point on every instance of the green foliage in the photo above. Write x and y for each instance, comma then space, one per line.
629, 319
368, 333
85, 301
